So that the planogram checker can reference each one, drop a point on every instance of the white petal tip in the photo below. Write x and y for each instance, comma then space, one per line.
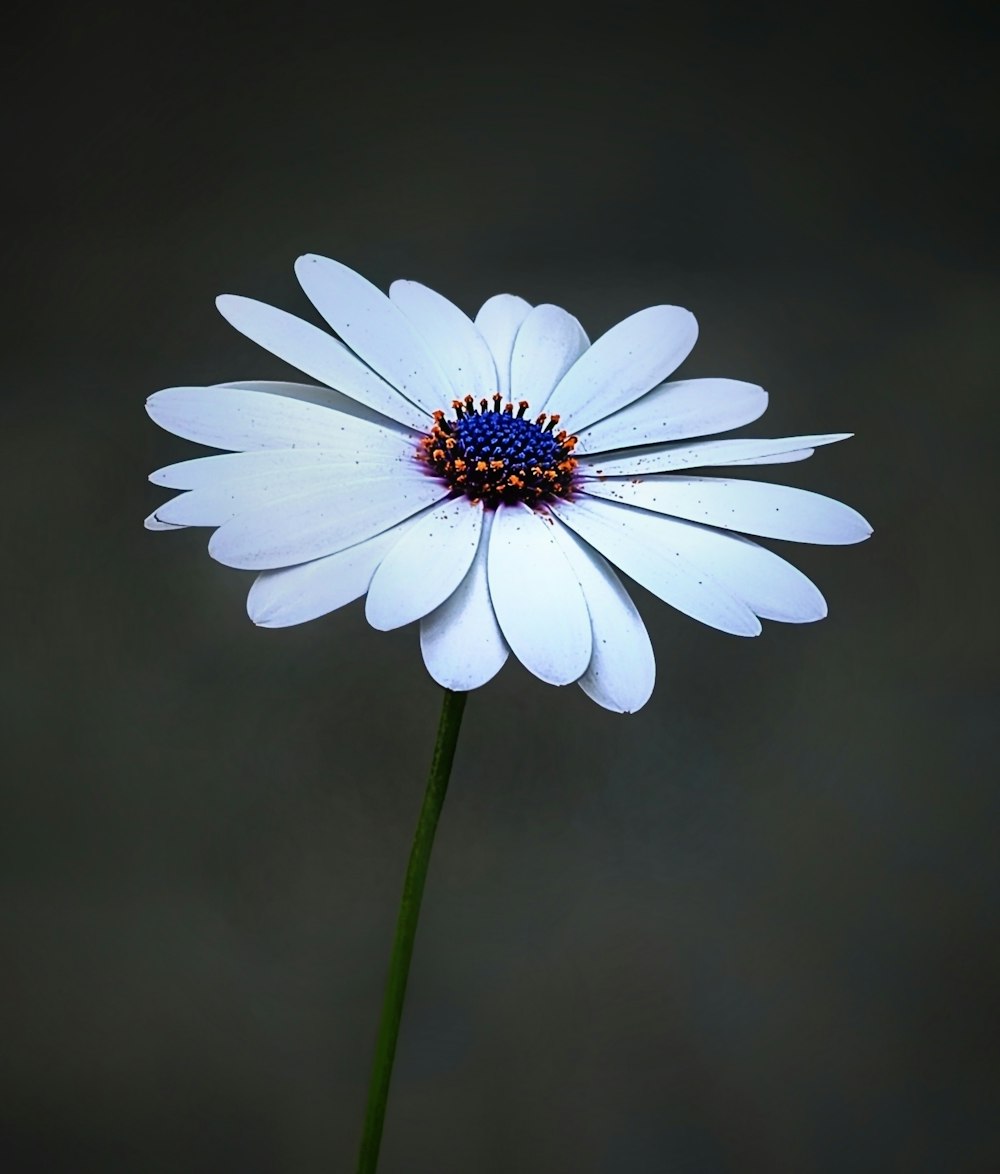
383, 619
265, 621
265, 612
812, 617
854, 529
381, 624
455, 684
260, 614
308, 259
630, 706
154, 523
227, 560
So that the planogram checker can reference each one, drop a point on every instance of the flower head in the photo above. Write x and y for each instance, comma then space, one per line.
482, 477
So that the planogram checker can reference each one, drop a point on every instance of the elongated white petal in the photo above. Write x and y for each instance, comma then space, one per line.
461, 640
426, 565
451, 337
622, 669
537, 598
758, 578
319, 355
225, 417
700, 454
299, 529
498, 321
770, 586
756, 507
624, 364
215, 503
237, 466
646, 549
674, 411
549, 341
293, 595
311, 393
375, 329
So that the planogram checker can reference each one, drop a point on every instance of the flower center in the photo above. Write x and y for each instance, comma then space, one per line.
496, 456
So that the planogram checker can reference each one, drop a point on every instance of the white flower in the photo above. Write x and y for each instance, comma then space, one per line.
482, 477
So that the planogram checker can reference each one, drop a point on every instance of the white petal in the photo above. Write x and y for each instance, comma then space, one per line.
622, 667
451, 337
313, 394
498, 321
673, 411
294, 595
225, 417
154, 523
702, 453
756, 507
461, 640
771, 587
644, 547
549, 341
375, 329
215, 503
757, 578
319, 355
537, 598
426, 565
299, 529
624, 364
237, 466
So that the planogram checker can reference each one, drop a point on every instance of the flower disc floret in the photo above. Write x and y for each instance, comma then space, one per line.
495, 455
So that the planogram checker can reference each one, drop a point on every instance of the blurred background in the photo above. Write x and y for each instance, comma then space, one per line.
753, 927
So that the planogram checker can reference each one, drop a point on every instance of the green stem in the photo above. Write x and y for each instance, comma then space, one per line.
406, 927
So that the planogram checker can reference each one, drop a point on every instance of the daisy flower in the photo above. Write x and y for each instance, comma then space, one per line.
486, 477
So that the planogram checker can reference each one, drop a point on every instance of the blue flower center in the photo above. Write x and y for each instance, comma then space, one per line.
494, 455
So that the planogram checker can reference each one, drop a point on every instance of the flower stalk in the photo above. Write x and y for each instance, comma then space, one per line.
449, 724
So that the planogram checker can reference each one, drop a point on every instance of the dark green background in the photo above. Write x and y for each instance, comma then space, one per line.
753, 927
